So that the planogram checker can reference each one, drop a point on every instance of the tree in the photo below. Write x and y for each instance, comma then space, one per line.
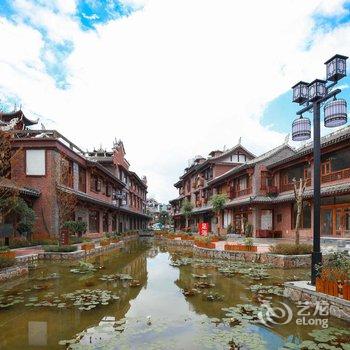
23, 215
164, 218
299, 189
9, 190
218, 202
186, 210
66, 200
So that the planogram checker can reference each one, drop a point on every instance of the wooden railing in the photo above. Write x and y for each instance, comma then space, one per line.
289, 186
239, 193
337, 175
272, 190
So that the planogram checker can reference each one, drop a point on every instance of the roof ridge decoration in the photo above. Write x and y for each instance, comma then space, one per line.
324, 138
253, 161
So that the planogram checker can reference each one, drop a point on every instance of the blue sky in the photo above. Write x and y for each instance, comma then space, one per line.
172, 79
280, 113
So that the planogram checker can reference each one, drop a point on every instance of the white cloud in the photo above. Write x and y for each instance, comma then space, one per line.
175, 79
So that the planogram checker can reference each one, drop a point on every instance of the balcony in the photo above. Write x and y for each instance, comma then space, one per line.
336, 176
290, 186
239, 193
272, 190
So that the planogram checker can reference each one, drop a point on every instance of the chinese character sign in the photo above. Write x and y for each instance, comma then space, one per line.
203, 228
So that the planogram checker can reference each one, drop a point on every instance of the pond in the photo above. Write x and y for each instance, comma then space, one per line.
148, 296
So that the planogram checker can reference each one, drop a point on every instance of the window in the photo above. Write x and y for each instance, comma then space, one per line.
105, 222
94, 221
114, 223
108, 190
35, 162
98, 185
243, 183
82, 179
326, 168
305, 221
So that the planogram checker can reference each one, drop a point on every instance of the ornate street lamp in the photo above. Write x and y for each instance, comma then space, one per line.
317, 90
301, 129
300, 92
335, 114
336, 67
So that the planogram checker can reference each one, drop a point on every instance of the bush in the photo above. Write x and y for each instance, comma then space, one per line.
18, 242
76, 240
4, 248
44, 241
6, 262
61, 248
291, 249
75, 226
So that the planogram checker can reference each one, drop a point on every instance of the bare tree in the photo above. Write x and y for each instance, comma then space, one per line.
66, 200
299, 189
9, 159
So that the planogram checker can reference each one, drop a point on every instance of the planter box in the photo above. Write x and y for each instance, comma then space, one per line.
205, 245
346, 291
240, 248
87, 246
329, 287
105, 243
8, 255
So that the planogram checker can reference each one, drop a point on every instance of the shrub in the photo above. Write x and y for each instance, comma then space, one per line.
75, 226
248, 229
6, 262
61, 248
248, 241
291, 249
18, 242
4, 248
44, 241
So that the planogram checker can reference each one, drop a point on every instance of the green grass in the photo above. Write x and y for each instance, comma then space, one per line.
291, 249
60, 249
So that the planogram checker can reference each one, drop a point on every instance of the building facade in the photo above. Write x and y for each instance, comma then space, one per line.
106, 194
260, 191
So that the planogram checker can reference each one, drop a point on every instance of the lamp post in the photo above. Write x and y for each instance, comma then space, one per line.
312, 96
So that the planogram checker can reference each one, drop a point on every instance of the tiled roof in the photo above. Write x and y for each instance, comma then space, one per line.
196, 167
334, 137
281, 198
7, 183
88, 198
250, 163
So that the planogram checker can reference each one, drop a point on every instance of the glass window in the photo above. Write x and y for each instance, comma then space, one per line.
305, 221
94, 221
82, 179
339, 160
35, 162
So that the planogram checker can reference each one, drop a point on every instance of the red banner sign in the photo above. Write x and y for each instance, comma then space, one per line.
203, 228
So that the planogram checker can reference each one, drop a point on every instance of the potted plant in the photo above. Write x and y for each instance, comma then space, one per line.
333, 276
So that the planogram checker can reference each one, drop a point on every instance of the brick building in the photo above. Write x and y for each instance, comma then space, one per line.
110, 197
260, 190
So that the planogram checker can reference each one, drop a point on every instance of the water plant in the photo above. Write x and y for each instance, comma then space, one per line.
88, 299
84, 267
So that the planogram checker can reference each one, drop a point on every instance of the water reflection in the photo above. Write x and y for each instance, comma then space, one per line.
175, 321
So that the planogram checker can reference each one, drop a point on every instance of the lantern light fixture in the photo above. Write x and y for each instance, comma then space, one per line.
336, 67
301, 129
335, 113
300, 92
317, 90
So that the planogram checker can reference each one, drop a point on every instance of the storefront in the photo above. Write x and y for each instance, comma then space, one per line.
335, 216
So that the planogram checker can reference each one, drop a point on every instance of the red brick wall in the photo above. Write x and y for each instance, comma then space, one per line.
45, 206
